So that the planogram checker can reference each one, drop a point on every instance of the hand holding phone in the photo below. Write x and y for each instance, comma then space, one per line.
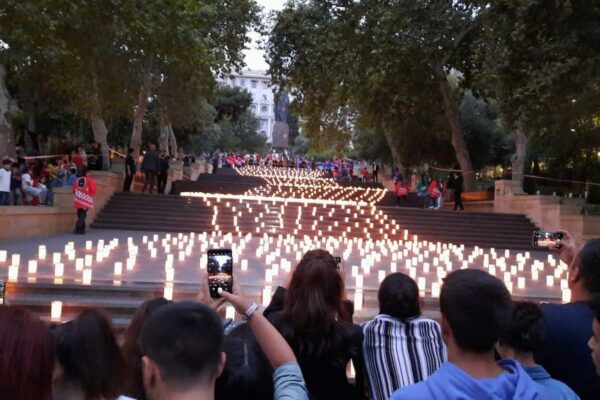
220, 271
549, 240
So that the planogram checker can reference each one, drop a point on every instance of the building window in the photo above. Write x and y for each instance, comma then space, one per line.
264, 126
254, 83
232, 81
264, 109
242, 82
253, 108
265, 84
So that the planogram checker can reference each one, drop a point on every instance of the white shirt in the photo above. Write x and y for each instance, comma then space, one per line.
5, 180
26, 180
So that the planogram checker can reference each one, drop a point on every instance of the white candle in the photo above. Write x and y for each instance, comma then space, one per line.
55, 311
130, 263
118, 268
87, 276
266, 295
42, 252
15, 259
88, 260
32, 267
59, 270
88, 244
3, 255
56, 258
13, 273
435, 290
168, 291
244, 265
566, 295
381, 275
359, 281
230, 312
358, 300
79, 264
170, 274
521, 282
549, 280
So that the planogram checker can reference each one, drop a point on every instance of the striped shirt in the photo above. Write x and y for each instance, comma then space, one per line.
399, 354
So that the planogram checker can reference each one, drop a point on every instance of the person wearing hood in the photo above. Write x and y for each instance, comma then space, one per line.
475, 308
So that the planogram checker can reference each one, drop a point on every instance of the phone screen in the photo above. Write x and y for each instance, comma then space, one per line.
2, 292
338, 263
220, 271
547, 240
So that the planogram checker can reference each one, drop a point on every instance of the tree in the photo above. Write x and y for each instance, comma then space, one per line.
179, 68
530, 65
388, 61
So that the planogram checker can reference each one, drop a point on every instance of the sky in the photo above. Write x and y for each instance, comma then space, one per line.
254, 56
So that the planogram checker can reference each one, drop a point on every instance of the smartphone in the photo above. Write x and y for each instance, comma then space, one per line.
220, 271
547, 240
2, 292
338, 263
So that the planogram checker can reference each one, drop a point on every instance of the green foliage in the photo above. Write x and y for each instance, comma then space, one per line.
231, 102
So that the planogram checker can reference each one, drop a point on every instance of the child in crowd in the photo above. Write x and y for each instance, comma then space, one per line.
5, 178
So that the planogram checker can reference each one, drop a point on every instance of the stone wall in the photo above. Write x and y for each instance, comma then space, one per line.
550, 213
30, 221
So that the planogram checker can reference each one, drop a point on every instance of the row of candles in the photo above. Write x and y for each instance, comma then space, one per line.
428, 263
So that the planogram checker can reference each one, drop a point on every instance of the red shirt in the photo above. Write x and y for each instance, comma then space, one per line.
84, 189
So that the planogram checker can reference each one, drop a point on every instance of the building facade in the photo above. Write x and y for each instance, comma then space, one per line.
258, 83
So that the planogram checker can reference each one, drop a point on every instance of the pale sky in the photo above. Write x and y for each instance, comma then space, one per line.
254, 56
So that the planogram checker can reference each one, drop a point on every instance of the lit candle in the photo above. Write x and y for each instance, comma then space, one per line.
87, 276
435, 290
230, 312
381, 275
566, 295
56, 258
79, 264
168, 291
88, 244
266, 295
42, 252
358, 300
13, 273
15, 259
32, 267
88, 260
118, 268
59, 270
55, 311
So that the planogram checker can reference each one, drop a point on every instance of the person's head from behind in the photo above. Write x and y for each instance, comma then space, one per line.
134, 385
399, 297
594, 342
152, 146
6, 164
524, 334
181, 347
584, 271
247, 374
26, 356
89, 361
475, 308
313, 301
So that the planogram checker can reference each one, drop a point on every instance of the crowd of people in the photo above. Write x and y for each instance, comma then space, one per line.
484, 346
30, 180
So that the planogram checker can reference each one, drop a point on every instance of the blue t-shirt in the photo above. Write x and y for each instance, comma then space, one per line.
557, 389
566, 355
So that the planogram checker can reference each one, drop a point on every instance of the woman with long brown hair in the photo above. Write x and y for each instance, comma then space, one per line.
314, 322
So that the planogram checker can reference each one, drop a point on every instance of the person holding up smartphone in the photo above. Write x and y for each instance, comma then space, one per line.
287, 379
569, 360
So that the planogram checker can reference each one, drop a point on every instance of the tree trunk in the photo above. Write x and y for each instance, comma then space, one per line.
136, 134
518, 159
7, 134
31, 125
172, 142
457, 137
99, 128
164, 123
396, 157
